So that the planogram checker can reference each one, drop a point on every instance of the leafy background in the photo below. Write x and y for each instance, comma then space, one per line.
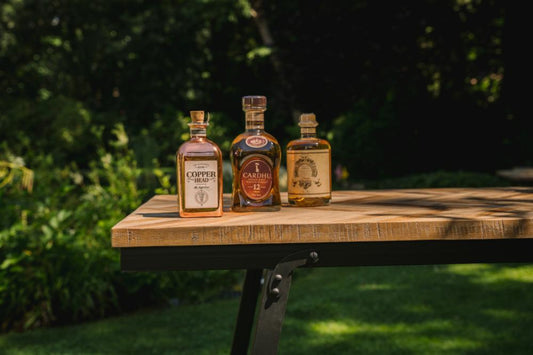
94, 99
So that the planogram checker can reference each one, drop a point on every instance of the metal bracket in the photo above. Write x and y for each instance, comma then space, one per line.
284, 269
274, 301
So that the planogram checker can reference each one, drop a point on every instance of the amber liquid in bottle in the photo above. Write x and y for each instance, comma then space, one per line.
309, 166
199, 172
255, 159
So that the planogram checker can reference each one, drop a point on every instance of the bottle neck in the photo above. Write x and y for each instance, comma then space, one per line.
255, 120
198, 130
308, 132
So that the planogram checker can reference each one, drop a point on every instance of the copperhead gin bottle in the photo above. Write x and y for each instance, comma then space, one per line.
308, 166
255, 159
199, 172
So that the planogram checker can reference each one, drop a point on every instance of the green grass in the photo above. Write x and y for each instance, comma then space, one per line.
455, 309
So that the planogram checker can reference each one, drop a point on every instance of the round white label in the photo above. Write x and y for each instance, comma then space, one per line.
256, 141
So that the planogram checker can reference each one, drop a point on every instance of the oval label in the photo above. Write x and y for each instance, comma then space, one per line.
256, 141
308, 173
256, 179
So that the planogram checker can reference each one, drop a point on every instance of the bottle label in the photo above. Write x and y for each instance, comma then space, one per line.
309, 172
256, 178
256, 141
201, 184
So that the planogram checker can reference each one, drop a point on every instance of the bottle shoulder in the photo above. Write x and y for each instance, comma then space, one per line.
308, 144
243, 144
259, 133
199, 147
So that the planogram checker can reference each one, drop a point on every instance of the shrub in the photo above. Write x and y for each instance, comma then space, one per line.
363, 138
440, 179
57, 265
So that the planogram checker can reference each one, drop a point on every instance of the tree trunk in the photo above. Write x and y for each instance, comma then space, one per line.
286, 95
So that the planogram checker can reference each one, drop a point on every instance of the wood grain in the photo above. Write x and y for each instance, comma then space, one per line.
353, 216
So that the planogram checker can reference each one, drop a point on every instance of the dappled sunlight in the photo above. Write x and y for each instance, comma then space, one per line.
432, 336
434, 309
467, 269
334, 327
376, 287
503, 314
438, 344
419, 309
348, 326
486, 273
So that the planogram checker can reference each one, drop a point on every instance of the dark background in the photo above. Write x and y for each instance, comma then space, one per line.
398, 88
94, 101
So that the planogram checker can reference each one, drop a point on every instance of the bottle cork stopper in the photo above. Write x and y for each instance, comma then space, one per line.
197, 116
308, 120
254, 102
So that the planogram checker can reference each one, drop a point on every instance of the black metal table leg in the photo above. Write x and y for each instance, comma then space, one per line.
245, 318
274, 301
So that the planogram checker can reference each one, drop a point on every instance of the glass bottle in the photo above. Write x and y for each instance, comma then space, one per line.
255, 159
199, 172
308, 166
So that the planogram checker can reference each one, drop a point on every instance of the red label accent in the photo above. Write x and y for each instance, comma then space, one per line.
256, 141
256, 179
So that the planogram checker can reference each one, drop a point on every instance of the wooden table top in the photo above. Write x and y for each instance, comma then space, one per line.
352, 216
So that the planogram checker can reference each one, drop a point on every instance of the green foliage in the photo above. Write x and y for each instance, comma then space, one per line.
94, 99
10, 170
367, 310
440, 179
59, 126
49, 274
53, 271
71, 67
366, 131
57, 262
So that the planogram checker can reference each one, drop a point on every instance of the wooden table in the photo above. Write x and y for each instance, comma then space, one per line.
385, 227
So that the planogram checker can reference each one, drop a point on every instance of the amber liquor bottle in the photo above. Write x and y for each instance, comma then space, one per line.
255, 159
308, 166
199, 172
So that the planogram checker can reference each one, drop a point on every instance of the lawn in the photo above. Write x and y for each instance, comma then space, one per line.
453, 309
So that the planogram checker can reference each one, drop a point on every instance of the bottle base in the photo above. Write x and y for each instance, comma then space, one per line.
309, 201
184, 214
243, 204
256, 208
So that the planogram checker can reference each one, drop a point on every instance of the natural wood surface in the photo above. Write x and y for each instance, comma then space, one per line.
353, 216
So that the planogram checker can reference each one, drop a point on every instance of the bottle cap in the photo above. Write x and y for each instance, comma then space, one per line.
197, 117
254, 102
308, 120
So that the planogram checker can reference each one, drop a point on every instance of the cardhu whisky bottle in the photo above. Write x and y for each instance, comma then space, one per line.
255, 159
309, 166
199, 172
